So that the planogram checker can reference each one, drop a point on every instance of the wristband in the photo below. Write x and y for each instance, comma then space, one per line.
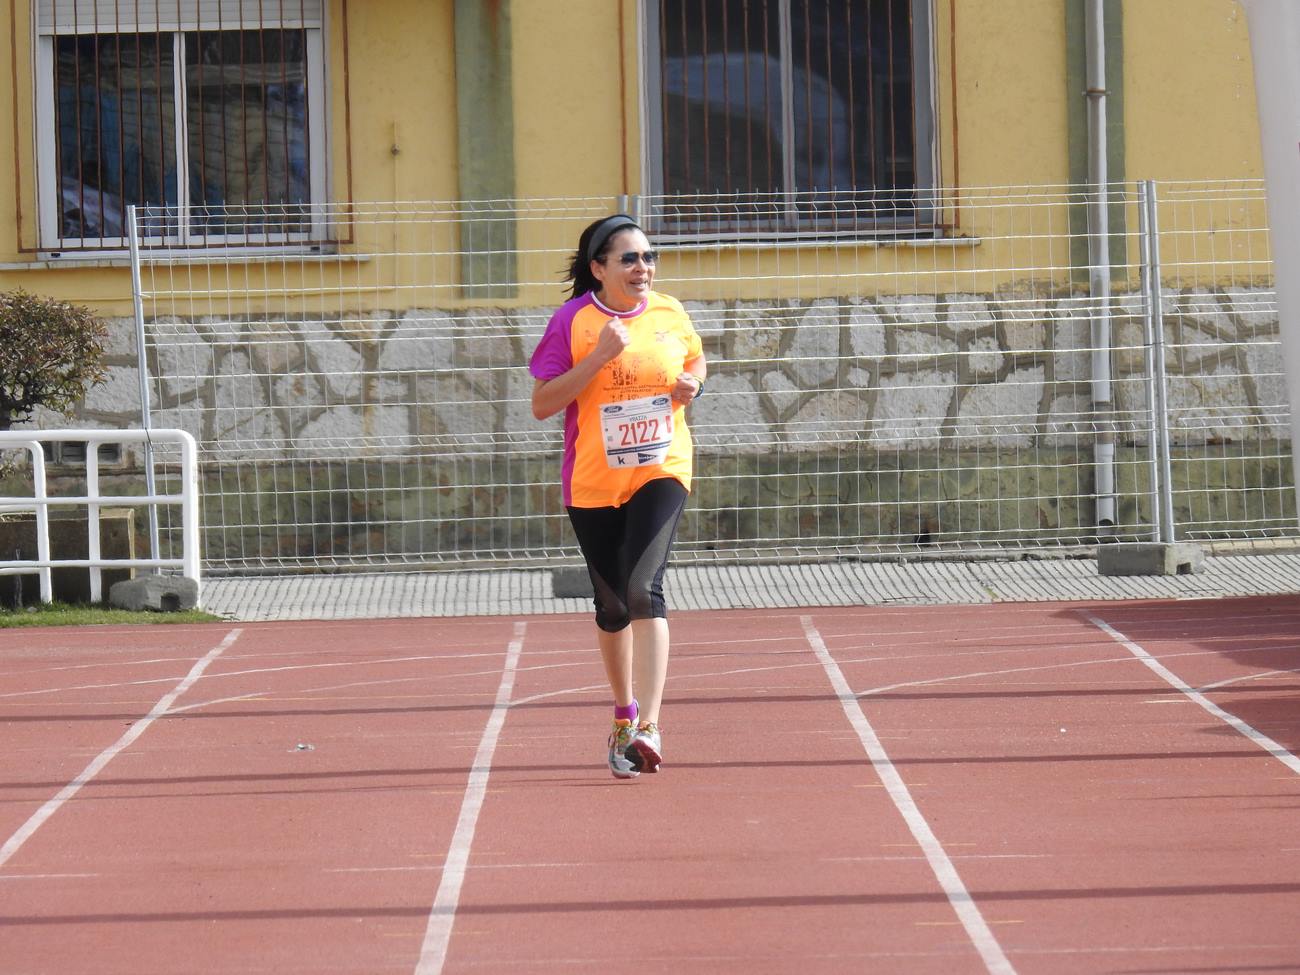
699, 387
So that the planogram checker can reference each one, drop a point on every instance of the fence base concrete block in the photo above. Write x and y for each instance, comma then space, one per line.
571, 582
163, 593
1150, 559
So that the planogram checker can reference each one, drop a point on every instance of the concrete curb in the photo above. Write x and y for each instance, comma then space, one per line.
526, 592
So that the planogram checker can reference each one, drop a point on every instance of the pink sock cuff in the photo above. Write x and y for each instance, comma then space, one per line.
628, 711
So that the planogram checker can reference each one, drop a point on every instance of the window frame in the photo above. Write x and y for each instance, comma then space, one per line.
796, 225
53, 243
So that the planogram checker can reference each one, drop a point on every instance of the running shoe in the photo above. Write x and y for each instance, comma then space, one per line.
618, 741
645, 751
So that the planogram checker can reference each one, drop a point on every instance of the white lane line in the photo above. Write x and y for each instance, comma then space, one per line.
977, 929
437, 935
680, 678
419, 868
954, 856
1249, 677
568, 690
1176, 682
86, 687
478, 866
887, 688
220, 700
38, 818
98, 665
257, 671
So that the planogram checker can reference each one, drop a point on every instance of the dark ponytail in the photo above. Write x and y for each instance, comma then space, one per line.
592, 246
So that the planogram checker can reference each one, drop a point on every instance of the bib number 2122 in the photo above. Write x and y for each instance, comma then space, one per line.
637, 433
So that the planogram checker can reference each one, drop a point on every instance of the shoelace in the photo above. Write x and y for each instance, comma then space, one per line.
622, 733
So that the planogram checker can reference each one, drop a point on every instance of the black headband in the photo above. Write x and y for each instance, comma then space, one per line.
604, 230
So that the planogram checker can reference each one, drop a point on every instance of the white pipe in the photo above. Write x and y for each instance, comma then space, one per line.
1274, 41
92, 523
42, 521
1099, 262
190, 515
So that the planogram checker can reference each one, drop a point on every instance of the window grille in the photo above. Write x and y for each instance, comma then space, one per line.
201, 113
815, 114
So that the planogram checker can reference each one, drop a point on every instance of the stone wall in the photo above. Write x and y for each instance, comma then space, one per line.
907, 371
852, 422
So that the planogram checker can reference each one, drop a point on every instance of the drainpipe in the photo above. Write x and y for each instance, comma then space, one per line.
1099, 268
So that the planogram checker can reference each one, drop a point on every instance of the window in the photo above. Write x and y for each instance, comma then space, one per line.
779, 116
207, 115
73, 452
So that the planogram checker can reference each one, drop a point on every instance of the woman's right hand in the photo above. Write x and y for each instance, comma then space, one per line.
611, 341
552, 395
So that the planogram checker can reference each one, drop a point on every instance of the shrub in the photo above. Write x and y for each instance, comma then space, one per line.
51, 352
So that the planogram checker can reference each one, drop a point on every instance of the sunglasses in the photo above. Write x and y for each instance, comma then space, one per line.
628, 259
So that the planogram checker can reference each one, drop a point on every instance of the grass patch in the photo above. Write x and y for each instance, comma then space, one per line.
66, 614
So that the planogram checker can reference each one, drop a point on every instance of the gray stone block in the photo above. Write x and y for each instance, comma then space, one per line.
1149, 559
162, 593
571, 582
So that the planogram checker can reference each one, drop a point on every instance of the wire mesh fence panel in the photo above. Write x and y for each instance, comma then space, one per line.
361, 396
1227, 411
365, 402
906, 393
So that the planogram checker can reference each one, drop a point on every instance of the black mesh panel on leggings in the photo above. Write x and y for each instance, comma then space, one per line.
626, 550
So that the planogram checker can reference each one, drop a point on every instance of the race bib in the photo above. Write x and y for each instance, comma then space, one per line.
639, 432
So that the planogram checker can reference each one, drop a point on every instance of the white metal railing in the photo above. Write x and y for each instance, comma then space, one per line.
93, 500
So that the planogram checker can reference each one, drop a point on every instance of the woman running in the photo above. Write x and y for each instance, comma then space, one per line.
623, 361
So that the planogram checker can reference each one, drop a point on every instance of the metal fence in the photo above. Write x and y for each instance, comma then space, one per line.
367, 404
179, 502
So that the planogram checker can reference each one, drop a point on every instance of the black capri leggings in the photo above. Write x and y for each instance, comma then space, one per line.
626, 549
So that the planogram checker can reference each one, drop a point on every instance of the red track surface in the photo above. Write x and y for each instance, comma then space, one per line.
295, 808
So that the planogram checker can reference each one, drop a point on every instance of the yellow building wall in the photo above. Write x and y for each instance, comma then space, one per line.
17, 190
402, 87
1002, 107
1008, 59
575, 132
1191, 116
1189, 91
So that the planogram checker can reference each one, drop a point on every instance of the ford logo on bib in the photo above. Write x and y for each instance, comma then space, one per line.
637, 433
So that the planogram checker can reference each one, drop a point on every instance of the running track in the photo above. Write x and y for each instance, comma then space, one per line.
1032, 788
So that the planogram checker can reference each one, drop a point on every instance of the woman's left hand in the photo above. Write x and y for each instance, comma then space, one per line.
687, 386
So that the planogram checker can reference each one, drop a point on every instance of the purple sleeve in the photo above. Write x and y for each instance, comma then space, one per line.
554, 353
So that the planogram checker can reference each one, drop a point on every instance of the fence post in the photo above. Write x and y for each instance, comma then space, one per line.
1148, 362
40, 491
1163, 490
93, 553
142, 364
